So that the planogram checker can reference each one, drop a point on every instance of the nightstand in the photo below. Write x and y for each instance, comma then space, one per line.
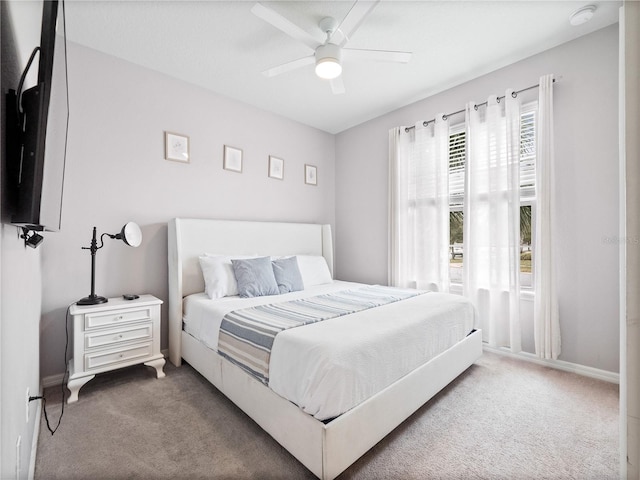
112, 335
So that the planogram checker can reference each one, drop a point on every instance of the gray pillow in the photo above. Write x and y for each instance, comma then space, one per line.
255, 277
287, 275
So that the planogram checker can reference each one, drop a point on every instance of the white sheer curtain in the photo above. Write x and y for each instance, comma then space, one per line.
491, 226
419, 206
545, 310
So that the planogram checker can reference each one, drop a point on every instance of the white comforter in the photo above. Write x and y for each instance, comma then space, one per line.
331, 366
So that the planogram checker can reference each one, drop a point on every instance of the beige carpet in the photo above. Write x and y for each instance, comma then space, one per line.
501, 419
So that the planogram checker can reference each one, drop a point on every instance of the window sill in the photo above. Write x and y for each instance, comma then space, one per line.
525, 293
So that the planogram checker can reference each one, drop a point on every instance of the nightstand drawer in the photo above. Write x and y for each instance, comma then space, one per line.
97, 320
103, 359
113, 337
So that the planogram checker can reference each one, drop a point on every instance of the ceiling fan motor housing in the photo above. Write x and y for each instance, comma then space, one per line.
328, 61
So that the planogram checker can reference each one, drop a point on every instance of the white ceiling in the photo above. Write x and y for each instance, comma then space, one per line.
222, 46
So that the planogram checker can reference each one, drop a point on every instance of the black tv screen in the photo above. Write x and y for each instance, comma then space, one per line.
37, 122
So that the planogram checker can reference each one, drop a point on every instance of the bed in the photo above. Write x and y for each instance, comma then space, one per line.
325, 443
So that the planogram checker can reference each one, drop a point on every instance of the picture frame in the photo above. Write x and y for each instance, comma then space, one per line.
176, 147
276, 167
232, 159
311, 175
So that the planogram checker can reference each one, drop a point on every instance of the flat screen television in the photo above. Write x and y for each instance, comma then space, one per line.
37, 123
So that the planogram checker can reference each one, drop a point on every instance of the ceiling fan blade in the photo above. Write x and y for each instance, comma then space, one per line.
337, 85
352, 21
287, 67
284, 25
377, 55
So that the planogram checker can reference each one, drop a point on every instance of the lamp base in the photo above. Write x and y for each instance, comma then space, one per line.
92, 300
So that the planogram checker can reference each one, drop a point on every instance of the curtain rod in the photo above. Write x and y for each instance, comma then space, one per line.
447, 115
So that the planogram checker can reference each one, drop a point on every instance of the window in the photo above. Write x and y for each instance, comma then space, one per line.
457, 159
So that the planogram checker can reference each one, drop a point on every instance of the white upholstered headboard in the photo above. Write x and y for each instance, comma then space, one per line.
189, 238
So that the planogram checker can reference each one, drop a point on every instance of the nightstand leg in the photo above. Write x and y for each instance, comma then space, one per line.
74, 386
158, 364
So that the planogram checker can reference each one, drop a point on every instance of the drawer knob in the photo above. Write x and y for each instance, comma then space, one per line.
119, 337
121, 355
119, 317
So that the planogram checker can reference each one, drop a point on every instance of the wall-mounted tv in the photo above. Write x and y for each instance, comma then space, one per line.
37, 124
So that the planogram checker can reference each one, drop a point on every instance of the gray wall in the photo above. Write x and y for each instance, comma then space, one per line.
116, 172
586, 141
20, 291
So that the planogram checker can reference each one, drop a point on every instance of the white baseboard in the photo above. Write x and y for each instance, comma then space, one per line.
53, 380
605, 375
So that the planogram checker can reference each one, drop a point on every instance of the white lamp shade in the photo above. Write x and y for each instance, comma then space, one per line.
131, 234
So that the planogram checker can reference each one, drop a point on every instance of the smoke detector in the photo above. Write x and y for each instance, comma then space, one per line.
582, 15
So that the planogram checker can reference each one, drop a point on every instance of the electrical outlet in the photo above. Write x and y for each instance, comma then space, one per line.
28, 404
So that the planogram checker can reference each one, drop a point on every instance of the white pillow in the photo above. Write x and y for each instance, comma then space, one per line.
314, 270
217, 271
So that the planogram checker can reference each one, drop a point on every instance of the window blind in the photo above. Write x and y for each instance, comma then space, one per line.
528, 154
457, 158
457, 144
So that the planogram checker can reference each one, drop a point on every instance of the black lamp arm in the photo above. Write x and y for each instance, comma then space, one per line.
102, 239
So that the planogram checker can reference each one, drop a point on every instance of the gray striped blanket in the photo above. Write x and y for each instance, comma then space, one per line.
247, 335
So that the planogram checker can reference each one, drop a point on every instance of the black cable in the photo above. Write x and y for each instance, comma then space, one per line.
21, 82
64, 377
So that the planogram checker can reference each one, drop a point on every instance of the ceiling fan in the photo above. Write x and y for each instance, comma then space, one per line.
328, 55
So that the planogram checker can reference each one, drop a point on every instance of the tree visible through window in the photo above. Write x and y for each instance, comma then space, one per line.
457, 158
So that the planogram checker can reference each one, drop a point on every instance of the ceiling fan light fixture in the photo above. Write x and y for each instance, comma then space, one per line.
328, 61
328, 68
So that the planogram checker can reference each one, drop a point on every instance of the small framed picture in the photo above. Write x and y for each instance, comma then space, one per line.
176, 147
310, 175
276, 167
232, 159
